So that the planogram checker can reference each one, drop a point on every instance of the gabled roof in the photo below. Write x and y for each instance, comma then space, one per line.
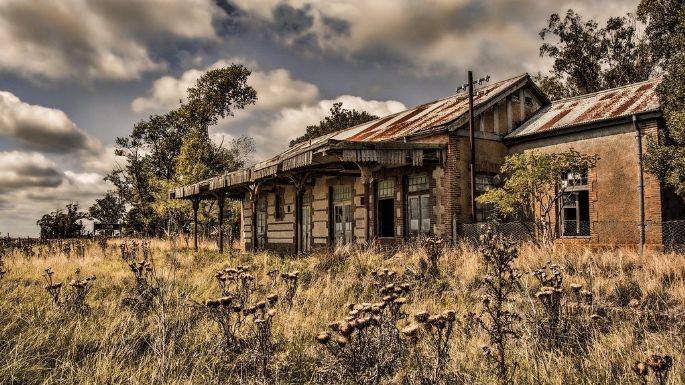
585, 110
415, 121
389, 134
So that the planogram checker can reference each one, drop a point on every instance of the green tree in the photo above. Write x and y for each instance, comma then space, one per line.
338, 119
166, 150
61, 224
535, 184
666, 31
108, 209
588, 58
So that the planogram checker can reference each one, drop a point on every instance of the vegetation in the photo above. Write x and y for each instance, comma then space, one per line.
175, 148
666, 31
357, 316
536, 182
339, 119
588, 58
108, 209
62, 223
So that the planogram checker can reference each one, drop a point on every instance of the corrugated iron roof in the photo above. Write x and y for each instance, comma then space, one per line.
402, 124
591, 108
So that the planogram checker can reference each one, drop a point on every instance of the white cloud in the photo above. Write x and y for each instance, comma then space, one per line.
95, 39
274, 134
275, 89
43, 128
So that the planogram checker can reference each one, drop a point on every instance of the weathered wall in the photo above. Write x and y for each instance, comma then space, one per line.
613, 184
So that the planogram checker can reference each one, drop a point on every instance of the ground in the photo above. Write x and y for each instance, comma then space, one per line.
115, 337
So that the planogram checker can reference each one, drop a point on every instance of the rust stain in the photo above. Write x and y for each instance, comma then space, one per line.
625, 105
555, 119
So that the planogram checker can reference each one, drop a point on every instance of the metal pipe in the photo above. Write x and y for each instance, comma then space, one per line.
221, 200
641, 183
472, 150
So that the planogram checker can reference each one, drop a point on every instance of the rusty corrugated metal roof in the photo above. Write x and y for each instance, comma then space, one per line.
591, 108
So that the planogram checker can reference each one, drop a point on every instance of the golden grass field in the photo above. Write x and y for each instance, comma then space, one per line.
641, 301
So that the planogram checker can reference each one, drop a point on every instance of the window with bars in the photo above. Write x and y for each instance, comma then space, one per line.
417, 183
574, 216
342, 192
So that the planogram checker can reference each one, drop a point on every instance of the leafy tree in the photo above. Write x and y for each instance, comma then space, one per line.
108, 209
666, 31
535, 185
588, 58
62, 224
175, 148
339, 119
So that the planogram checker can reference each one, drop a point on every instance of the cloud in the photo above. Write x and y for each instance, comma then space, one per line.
273, 132
275, 89
41, 128
32, 185
20, 170
437, 38
96, 39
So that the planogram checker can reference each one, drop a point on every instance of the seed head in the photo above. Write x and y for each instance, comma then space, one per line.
323, 337
411, 330
640, 368
421, 317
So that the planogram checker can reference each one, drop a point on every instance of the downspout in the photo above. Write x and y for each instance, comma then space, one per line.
641, 183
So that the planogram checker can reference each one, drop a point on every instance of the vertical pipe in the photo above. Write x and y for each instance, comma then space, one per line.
220, 201
196, 206
472, 150
641, 183
254, 219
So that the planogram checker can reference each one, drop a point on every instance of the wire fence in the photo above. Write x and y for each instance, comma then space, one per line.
670, 234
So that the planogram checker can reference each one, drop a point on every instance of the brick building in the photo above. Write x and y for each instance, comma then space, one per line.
409, 173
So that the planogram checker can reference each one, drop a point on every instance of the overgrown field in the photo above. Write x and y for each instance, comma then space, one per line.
147, 313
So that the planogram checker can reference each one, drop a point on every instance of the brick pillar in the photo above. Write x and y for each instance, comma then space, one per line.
451, 185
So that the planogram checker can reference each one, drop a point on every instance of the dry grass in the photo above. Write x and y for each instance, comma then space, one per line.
641, 301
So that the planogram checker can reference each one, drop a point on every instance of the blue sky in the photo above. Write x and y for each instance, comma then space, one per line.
76, 74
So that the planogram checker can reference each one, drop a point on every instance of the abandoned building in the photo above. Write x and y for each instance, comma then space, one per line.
409, 173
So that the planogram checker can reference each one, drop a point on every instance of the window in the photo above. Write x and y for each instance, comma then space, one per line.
342, 192
261, 223
419, 214
528, 101
483, 184
386, 208
573, 179
278, 204
514, 97
575, 214
418, 205
386, 188
418, 183
343, 221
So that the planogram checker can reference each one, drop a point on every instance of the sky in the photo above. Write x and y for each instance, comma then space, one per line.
77, 74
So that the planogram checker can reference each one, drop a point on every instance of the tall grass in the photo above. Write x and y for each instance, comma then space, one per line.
641, 301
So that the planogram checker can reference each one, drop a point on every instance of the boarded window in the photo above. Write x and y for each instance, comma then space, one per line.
418, 182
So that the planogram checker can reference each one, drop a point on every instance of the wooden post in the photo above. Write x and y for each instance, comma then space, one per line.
298, 219
196, 207
220, 200
253, 197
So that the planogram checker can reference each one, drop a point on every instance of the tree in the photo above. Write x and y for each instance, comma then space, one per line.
339, 119
175, 148
108, 209
666, 31
588, 58
62, 224
535, 184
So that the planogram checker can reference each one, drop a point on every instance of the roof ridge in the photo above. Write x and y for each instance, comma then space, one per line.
591, 94
331, 134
